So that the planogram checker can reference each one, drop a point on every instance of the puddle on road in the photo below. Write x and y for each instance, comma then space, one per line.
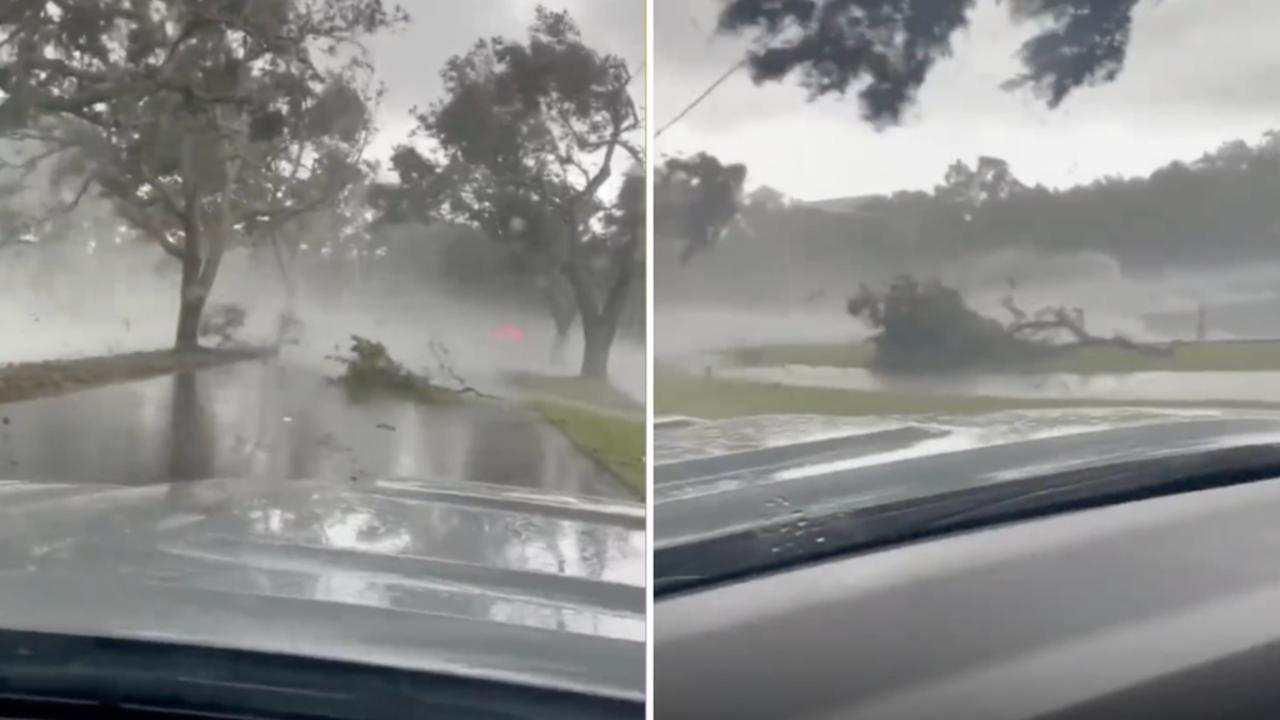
267, 420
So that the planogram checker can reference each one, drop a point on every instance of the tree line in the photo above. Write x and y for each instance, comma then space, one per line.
1218, 210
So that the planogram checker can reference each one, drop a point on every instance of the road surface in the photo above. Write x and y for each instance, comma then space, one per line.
267, 419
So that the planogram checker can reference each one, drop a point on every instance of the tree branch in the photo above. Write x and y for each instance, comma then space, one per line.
624, 260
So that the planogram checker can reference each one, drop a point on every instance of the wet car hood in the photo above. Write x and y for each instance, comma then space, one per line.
458, 578
1159, 607
696, 458
730, 515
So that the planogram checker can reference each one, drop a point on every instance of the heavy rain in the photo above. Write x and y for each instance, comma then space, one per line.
998, 228
324, 336
332, 213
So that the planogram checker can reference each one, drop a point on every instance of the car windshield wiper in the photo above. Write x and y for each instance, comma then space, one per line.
783, 520
44, 675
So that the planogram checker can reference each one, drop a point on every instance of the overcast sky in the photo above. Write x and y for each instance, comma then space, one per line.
409, 62
1199, 73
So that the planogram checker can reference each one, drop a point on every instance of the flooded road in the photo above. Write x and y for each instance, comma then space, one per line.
273, 420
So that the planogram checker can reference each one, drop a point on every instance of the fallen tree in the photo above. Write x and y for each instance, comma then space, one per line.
1047, 321
928, 327
370, 370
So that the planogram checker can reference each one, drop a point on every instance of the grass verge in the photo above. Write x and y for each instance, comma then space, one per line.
616, 442
596, 393
716, 398
30, 380
603, 422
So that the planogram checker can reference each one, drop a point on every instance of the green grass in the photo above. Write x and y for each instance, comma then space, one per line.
600, 420
30, 380
617, 443
716, 398
854, 355
596, 393
1186, 357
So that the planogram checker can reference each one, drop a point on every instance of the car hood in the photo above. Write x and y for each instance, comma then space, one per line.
468, 579
730, 515
695, 457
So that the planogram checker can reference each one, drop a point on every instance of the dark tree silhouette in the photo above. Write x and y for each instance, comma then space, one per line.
973, 187
698, 199
886, 48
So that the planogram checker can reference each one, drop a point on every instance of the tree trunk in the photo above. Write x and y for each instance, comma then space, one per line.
189, 323
202, 251
601, 330
558, 345
599, 318
595, 354
197, 282
191, 298
560, 304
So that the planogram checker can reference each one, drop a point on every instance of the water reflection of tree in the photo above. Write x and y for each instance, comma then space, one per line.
505, 449
337, 519
191, 433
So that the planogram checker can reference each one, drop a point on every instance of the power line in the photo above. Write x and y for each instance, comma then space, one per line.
696, 101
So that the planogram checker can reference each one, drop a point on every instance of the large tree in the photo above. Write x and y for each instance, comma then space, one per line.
531, 134
202, 121
534, 235
884, 49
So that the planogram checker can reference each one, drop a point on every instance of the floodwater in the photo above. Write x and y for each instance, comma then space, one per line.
273, 420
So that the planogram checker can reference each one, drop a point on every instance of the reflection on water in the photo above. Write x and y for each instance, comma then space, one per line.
191, 434
289, 539
1139, 386
268, 420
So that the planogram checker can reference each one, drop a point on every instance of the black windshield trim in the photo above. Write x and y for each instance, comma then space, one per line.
56, 675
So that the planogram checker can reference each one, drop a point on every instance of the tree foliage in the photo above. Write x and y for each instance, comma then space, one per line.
1214, 211
885, 49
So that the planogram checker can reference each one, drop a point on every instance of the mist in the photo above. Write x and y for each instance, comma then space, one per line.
78, 298
1080, 200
